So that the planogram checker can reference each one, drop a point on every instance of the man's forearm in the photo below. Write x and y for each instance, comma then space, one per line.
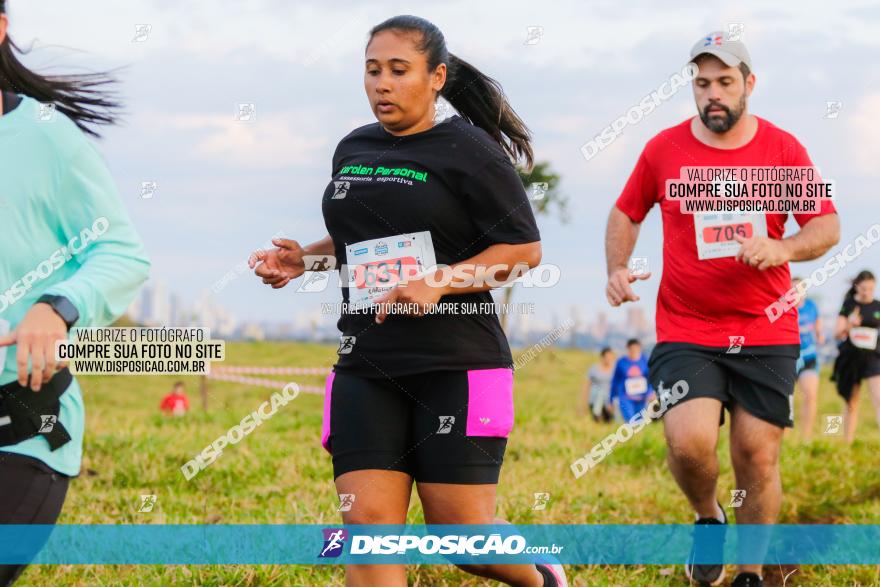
620, 239
814, 238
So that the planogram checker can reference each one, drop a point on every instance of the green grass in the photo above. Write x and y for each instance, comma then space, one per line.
280, 474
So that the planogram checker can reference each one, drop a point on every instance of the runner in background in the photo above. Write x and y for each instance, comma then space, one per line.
176, 403
859, 357
421, 396
597, 387
630, 389
810, 326
59, 198
712, 328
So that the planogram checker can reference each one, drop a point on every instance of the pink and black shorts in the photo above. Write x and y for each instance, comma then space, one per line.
439, 427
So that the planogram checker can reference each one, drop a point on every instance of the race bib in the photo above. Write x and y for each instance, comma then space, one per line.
377, 265
864, 337
716, 233
4, 330
635, 386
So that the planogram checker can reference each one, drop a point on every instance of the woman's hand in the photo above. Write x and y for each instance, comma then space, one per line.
855, 319
279, 265
35, 337
841, 328
416, 297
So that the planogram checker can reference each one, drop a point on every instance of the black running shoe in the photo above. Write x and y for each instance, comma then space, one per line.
707, 574
748, 580
554, 575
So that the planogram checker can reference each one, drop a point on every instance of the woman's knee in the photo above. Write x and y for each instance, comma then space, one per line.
376, 513
478, 570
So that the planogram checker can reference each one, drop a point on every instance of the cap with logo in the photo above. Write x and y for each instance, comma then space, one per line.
732, 53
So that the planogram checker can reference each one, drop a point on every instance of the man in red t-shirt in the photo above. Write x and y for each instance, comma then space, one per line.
720, 272
175, 403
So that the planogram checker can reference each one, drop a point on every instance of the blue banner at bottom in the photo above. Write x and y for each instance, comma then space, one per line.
650, 544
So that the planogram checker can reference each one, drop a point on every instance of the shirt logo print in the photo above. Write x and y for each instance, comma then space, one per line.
341, 189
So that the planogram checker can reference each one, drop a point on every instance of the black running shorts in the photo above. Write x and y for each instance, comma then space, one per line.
30, 493
759, 378
439, 427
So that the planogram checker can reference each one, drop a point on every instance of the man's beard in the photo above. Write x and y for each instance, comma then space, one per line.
722, 124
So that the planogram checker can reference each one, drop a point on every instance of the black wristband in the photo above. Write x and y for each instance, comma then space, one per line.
63, 307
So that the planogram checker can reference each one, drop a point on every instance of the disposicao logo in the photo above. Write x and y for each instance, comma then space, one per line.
334, 542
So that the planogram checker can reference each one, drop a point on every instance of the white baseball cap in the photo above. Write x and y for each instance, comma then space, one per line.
716, 43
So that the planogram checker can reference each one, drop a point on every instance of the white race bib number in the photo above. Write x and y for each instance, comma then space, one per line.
716, 233
864, 337
635, 386
377, 265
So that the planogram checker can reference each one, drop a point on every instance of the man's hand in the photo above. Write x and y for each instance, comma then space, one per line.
618, 289
416, 298
35, 336
279, 265
762, 252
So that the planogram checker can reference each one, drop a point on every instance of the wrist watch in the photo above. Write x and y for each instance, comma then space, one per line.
63, 307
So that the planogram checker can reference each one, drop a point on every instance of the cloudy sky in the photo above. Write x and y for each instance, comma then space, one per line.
225, 187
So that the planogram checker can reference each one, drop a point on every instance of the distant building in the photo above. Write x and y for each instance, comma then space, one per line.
636, 321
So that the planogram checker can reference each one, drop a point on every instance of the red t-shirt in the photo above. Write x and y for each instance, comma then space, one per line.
174, 403
707, 301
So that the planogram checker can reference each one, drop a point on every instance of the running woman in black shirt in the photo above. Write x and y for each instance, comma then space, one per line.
421, 395
859, 358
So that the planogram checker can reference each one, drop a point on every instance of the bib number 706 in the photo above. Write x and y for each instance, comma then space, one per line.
726, 232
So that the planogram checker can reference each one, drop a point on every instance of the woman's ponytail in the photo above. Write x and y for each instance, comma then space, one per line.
83, 98
480, 100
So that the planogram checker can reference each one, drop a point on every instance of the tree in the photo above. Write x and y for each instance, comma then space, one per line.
541, 185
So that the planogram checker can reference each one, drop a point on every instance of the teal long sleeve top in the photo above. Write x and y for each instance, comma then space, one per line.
63, 231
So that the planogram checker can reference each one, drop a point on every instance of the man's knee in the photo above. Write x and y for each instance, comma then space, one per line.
758, 458
691, 446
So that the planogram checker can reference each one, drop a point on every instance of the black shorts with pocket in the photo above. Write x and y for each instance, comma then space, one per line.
439, 427
759, 378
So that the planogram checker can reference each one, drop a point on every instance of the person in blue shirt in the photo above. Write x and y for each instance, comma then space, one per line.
629, 386
810, 325
69, 256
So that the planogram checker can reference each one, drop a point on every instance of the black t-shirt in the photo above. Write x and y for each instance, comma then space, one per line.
454, 181
869, 312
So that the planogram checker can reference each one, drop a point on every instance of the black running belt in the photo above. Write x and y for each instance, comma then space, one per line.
10, 101
25, 413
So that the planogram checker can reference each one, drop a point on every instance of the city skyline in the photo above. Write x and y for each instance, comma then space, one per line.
193, 167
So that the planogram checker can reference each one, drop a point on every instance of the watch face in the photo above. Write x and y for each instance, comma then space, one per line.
68, 311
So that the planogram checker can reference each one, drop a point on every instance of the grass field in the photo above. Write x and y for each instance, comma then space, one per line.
280, 474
